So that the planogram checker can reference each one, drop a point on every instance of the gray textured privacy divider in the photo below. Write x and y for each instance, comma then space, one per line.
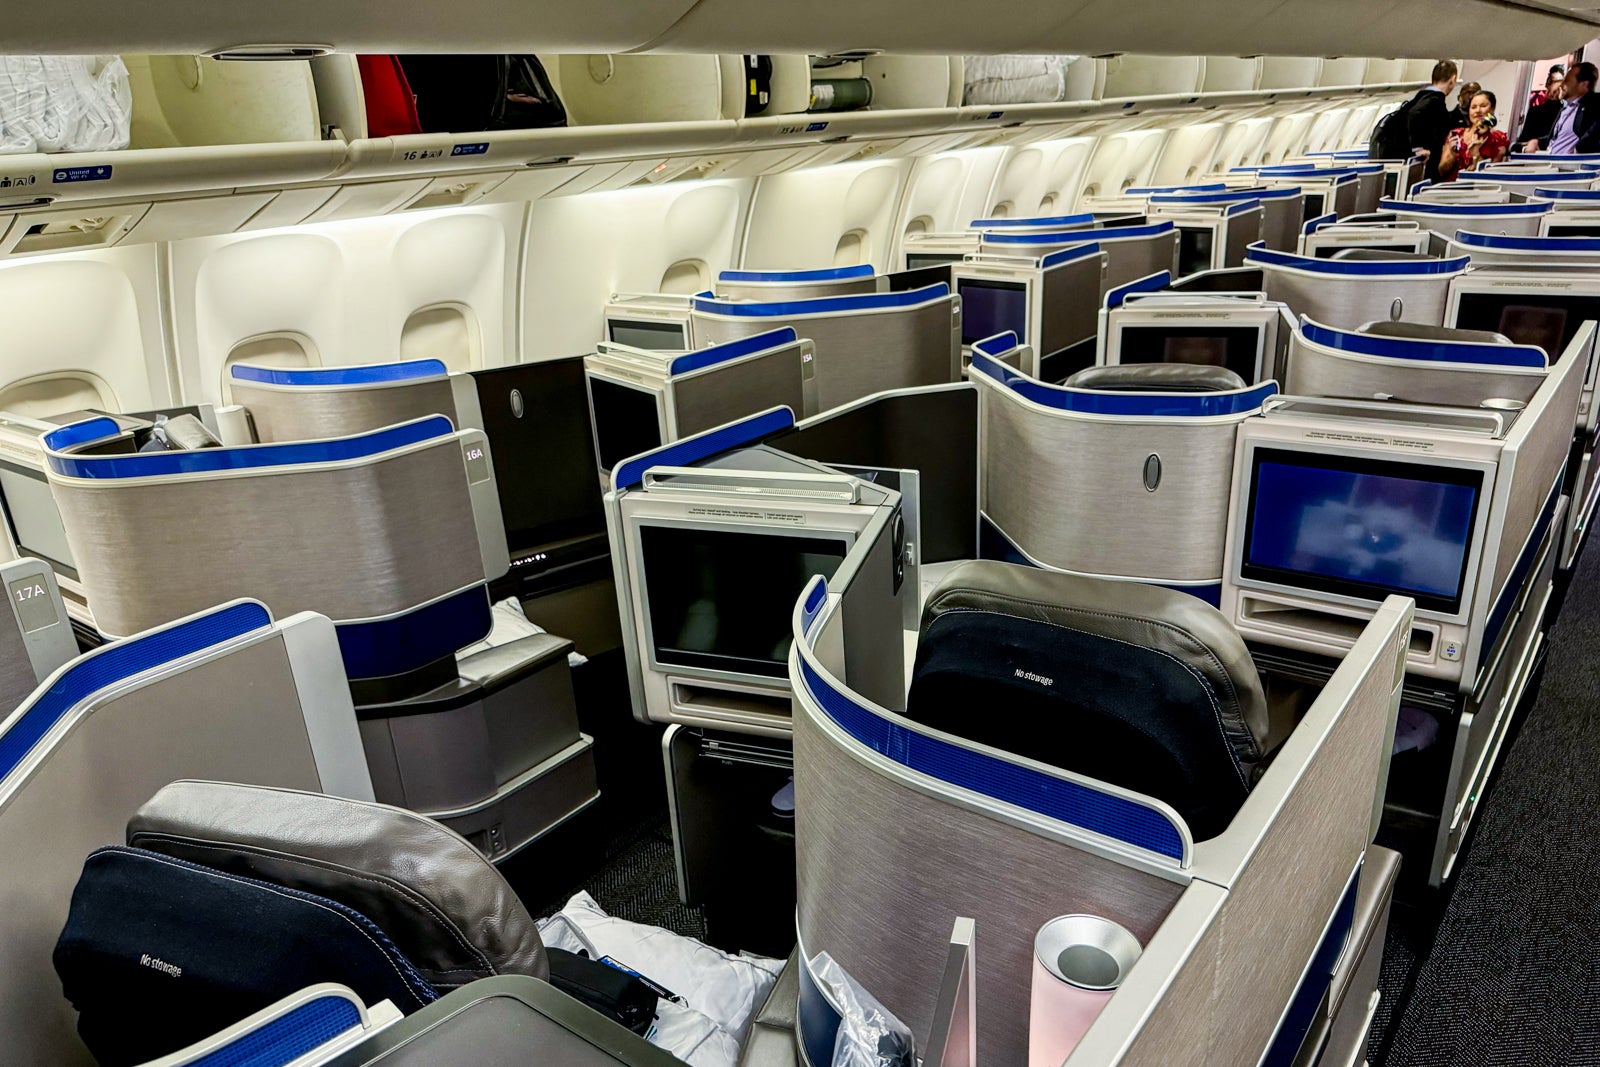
227, 695
35, 635
302, 405
1140, 494
1131, 251
1508, 220
1348, 294
354, 539
1486, 247
1334, 363
864, 344
890, 852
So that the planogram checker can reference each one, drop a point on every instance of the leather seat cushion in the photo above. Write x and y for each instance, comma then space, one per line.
1157, 378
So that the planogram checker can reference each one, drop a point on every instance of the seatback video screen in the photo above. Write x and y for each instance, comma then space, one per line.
989, 307
1548, 319
1361, 528
1238, 348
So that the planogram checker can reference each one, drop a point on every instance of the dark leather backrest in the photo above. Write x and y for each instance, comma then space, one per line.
1157, 378
424, 885
1379, 254
1421, 331
1139, 686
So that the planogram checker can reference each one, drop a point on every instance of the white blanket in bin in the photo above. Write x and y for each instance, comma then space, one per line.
719, 994
1016, 79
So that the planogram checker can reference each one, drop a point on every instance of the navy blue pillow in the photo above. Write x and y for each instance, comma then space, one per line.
159, 953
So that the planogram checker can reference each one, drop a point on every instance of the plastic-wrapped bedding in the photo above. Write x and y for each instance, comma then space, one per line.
717, 994
64, 103
1016, 79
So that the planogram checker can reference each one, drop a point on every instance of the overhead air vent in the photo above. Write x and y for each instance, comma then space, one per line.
262, 52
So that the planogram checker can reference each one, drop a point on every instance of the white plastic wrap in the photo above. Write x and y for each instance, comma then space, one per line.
1016, 79
64, 103
869, 1034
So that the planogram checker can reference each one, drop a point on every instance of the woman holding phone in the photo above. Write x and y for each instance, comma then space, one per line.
1478, 142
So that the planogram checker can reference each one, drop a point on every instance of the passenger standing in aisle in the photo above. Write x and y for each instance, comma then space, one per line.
1577, 125
1476, 142
1428, 120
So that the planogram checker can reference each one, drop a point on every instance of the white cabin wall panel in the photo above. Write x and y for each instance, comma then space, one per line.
1122, 161
1242, 144
83, 329
348, 292
1326, 129
947, 191
1288, 137
827, 217
1044, 178
1187, 154
581, 249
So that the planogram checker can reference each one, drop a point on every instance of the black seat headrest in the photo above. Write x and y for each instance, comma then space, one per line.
1420, 331
441, 902
1157, 378
1135, 685
1380, 254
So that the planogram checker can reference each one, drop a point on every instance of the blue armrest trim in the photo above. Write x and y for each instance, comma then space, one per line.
1311, 226
1259, 253
1568, 194
822, 274
1527, 244
118, 661
366, 374
1115, 233
1564, 157
707, 357
1149, 190
1069, 255
1417, 207
242, 457
1089, 402
1253, 204
1497, 176
384, 647
1066, 801
823, 304
1042, 220
1230, 196
630, 473
1366, 344
1150, 283
287, 1037
999, 343
81, 433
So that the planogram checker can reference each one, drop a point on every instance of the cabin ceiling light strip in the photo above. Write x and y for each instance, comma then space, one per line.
263, 52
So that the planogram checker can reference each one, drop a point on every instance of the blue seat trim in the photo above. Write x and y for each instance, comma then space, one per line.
1314, 984
1311, 226
1069, 255
80, 433
1259, 253
383, 647
118, 661
1422, 207
1507, 597
709, 357
1150, 190
1366, 344
1527, 244
287, 1037
1230, 196
1074, 803
1150, 283
823, 304
630, 473
1564, 157
817, 1021
366, 374
1495, 177
1042, 220
242, 457
999, 343
1252, 204
1568, 194
822, 274
1088, 402
1115, 233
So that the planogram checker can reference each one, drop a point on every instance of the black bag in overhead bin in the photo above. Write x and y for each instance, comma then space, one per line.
470, 93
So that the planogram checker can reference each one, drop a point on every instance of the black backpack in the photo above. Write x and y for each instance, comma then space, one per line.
1391, 137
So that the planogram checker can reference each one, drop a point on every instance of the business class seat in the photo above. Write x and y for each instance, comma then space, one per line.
1421, 331
1143, 687
1380, 255
1157, 378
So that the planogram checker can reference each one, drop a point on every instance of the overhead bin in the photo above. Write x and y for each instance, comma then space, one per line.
1137, 75
1290, 72
603, 89
1231, 74
1341, 72
191, 100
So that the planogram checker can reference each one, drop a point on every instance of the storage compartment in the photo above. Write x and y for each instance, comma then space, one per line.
1290, 72
600, 89
192, 100
1137, 75
1343, 72
1398, 71
913, 81
70, 229
1231, 74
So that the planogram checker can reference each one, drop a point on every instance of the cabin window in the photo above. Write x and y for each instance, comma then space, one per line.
44, 395
851, 249
446, 332
687, 276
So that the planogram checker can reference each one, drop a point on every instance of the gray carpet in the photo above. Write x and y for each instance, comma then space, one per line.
1513, 975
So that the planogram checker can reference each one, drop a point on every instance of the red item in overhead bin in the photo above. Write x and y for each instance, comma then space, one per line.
391, 106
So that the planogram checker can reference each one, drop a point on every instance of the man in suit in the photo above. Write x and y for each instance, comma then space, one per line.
1570, 125
1428, 120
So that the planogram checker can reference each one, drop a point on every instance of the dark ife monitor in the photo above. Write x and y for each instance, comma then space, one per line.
1547, 318
1361, 528
916, 260
35, 523
1573, 229
1329, 251
627, 420
647, 333
536, 416
723, 600
1238, 348
1313, 206
921, 277
992, 307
